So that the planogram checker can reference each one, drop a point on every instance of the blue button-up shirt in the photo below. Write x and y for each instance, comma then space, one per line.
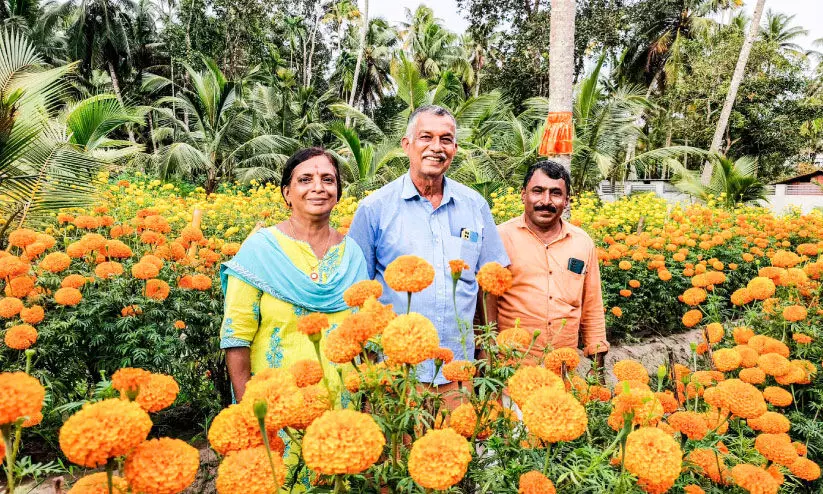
396, 220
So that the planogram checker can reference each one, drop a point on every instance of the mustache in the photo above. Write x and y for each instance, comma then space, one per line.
441, 156
546, 207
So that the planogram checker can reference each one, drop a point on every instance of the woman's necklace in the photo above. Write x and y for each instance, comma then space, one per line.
313, 266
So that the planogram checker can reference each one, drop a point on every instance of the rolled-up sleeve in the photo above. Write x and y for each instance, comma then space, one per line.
241, 317
362, 231
592, 318
492, 249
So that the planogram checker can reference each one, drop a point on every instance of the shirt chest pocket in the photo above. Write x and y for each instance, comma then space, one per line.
569, 287
466, 250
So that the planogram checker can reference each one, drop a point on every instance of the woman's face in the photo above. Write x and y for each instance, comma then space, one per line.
313, 187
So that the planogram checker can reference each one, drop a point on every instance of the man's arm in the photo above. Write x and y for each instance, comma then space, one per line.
592, 317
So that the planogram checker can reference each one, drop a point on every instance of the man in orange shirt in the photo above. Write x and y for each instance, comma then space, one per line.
556, 286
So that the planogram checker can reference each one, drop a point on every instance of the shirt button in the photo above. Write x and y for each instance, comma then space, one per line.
550, 297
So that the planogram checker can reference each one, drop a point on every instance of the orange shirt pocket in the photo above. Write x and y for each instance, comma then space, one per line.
570, 288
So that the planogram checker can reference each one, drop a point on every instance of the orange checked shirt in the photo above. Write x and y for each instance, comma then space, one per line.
545, 292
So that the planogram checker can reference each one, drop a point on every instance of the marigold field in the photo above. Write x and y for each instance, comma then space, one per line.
111, 362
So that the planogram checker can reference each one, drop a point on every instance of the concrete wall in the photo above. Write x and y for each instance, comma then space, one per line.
781, 197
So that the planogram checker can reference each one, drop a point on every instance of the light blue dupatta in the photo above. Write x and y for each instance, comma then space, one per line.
262, 263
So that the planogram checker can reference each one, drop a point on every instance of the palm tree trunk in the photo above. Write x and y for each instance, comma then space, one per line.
561, 62
364, 26
737, 78
307, 79
115, 84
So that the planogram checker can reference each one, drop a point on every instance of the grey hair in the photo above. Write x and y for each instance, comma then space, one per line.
428, 109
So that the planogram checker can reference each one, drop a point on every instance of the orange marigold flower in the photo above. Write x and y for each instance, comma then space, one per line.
278, 388
410, 339
634, 283
709, 463
457, 266
157, 223
554, 415
75, 250
20, 286
526, 380
316, 401
726, 359
693, 489
200, 282
439, 459
144, 270
692, 318
626, 370
785, 259
357, 294
742, 334
691, 424
624, 265
10, 307
381, 315
98, 483
771, 423
117, 249
805, 469
559, 356
409, 274
131, 310
358, 326
130, 379
56, 262
776, 447
752, 376
179, 324
151, 259
444, 354
515, 338
33, 314
653, 456
664, 274
535, 482
741, 296
307, 372
794, 313
644, 406
694, 296
158, 393
191, 234
73, 281
774, 364
343, 442
235, 428
340, 347
625, 293
766, 344
312, 323
778, 397
494, 278
754, 479
459, 370
249, 471
157, 289
802, 339
230, 248
108, 269
22, 396
162, 466
761, 288
617, 312
715, 331
464, 421
669, 402
20, 337
103, 430
68, 296
22, 237
742, 399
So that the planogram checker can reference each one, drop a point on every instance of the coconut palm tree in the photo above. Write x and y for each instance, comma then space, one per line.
434, 48
91, 122
561, 62
777, 30
338, 13
732, 182
364, 23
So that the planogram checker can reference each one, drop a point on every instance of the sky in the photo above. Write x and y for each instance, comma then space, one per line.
808, 13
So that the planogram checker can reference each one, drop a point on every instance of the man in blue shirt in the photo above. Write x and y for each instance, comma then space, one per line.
425, 214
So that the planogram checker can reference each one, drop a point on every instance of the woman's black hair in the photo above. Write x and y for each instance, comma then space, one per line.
305, 155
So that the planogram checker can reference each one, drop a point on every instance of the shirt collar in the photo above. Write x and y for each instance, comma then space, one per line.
410, 191
564, 230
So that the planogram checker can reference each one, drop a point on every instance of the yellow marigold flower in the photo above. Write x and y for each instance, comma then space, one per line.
341, 347
526, 380
535, 482
342, 442
753, 375
98, 483
774, 364
316, 401
626, 370
278, 388
794, 313
235, 428
691, 424
249, 472
742, 399
103, 430
10, 307
778, 397
805, 469
761, 288
554, 415
653, 456
559, 356
776, 447
312, 323
439, 459
409, 274
754, 479
357, 294
726, 359
68, 296
22, 397
33, 314
515, 338
692, 318
494, 278
459, 370
20, 337
307, 372
771, 423
229, 249
410, 339
694, 296
162, 466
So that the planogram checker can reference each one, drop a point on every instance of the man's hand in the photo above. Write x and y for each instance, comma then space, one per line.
598, 370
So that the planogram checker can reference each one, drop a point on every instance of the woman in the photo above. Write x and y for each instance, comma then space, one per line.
299, 266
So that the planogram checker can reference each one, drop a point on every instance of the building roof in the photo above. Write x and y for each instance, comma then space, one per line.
806, 177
